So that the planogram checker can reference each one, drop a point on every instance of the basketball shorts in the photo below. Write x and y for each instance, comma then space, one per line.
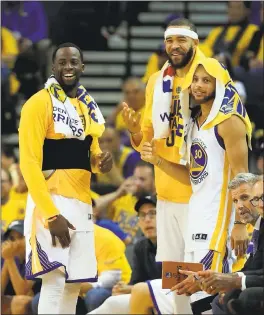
78, 261
171, 229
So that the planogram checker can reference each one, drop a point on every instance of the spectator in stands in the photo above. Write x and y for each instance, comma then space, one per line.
159, 57
134, 94
254, 55
124, 158
144, 266
16, 291
7, 157
225, 59
19, 189
28, 21
235, 36
110, 225
9, 82
119, 205
112, 267
12, 209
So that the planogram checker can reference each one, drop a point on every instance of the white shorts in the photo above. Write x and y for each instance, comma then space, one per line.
78, 261
171, 229
164, 304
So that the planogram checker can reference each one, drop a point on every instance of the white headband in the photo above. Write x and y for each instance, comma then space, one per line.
180, 31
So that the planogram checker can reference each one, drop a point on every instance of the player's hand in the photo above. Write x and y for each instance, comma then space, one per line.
148, 152
131, 119
239, 239
60, 228
187, 286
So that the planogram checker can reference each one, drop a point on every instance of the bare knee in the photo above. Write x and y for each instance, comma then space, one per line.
140, 301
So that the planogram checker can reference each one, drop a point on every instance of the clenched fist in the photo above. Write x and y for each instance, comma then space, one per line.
148, 152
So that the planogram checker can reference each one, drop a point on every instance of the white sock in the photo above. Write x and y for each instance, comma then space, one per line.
182, 304
117, 304
51, 292
69, 298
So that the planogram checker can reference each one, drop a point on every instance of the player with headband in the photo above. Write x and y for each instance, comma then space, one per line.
163, 107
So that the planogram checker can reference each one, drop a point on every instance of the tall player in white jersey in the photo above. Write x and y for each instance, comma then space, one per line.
215, 154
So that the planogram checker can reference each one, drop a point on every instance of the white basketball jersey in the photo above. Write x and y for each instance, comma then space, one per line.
210, 205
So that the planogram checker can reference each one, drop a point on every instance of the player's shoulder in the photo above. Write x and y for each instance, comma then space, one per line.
37, 101
153, 78
232, 125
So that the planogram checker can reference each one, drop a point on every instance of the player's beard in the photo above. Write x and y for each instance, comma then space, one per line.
186, 59
205, 99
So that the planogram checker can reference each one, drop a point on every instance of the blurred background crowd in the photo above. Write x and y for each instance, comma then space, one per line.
123, 46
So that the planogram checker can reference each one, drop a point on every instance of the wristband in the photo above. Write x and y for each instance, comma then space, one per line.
239, 222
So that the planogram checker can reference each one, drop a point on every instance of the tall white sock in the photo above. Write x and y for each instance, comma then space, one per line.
69, 298
51, 292
117, 304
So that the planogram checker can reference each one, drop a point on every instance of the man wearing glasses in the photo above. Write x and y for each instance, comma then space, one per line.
247, 196
258, 199
144, 267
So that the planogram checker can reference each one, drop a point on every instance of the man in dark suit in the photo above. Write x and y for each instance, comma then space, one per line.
231, 286
251, 299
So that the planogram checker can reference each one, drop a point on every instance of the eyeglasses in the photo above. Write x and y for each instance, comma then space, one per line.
255, 200
151, 214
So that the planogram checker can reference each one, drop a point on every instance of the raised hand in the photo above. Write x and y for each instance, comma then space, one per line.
131, 119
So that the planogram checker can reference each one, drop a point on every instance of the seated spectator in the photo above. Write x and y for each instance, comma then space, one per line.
112, 267
27, 21
16, 291
119, 205
134, 95
254, 55
8, 157
19, 189
144, 266
235, 36
12, 209
110, 225
9, 53
124, 158
225, 59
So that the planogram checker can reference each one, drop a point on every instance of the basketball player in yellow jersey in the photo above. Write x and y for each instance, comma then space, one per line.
181, 41
58, 140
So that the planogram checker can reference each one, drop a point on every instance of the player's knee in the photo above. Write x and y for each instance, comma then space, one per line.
141, 291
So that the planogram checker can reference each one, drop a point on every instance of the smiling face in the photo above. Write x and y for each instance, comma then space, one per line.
68, 67
203, 86
241, 197
180, 49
